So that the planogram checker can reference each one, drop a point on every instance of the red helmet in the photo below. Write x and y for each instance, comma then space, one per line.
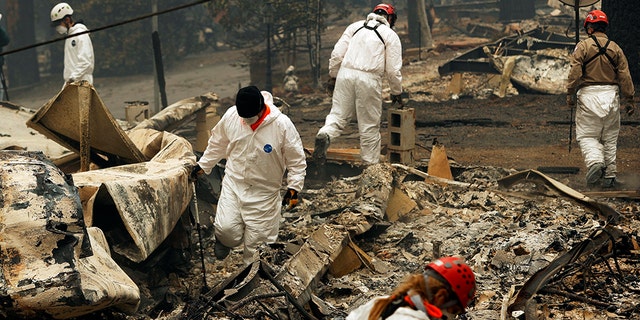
459, 276
596, 16
387, 9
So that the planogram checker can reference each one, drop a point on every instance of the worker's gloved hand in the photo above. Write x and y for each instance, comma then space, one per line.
571, 101
396, 98
331, 84
630, 108
290, 198
195, 172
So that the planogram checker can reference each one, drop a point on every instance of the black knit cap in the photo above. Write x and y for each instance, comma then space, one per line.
249, 101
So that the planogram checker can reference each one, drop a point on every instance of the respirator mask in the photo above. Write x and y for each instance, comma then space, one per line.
62, 29
250, 120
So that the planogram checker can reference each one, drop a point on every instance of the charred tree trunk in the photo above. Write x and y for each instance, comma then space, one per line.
418, 25
22, 67
620, 12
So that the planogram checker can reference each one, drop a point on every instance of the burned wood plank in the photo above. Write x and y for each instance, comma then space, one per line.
300, 274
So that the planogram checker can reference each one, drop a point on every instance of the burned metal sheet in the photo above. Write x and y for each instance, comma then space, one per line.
60, 120
609, 213
138, 205
52, 265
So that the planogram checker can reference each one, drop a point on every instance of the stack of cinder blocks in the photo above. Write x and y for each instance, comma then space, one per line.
402, 135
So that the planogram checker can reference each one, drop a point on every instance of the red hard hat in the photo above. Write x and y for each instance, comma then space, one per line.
596, 16
387, 9
459, 276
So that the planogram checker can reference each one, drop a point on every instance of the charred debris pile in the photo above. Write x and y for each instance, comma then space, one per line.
539, 249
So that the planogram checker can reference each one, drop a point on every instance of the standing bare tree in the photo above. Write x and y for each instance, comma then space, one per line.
620, 13
419, 30
22, 67
245, 27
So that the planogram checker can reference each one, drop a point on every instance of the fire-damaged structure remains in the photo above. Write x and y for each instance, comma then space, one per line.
114, 229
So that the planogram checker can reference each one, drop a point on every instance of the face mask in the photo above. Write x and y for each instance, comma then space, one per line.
251, 120
62, 29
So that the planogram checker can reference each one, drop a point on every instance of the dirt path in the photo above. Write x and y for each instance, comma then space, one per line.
221, 72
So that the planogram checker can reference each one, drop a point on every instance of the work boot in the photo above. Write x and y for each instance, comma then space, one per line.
220, 250
320, 149
595, 173
609, 182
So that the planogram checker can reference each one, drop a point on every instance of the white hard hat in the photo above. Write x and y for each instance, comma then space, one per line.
61, 10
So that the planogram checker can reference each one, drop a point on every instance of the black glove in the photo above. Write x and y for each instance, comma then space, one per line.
629, 107
331, 84
396, 98
195, 172
290, 198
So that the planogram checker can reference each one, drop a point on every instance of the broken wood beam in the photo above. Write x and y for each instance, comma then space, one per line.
301, 273
84, 106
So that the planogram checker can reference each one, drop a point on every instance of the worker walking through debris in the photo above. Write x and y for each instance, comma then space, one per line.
78, 50
599, 76
259, 143
443, 291
290, 81
366, 51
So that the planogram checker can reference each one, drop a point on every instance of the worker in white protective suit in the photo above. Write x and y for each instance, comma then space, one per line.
599, 77
78, 50
260, 144
366, 52
443, 290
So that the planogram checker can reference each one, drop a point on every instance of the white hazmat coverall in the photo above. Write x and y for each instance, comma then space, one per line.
598, 125
78, 56
359, 61
249, 207
403, 313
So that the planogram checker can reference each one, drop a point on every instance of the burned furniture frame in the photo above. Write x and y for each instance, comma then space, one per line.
476, 61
